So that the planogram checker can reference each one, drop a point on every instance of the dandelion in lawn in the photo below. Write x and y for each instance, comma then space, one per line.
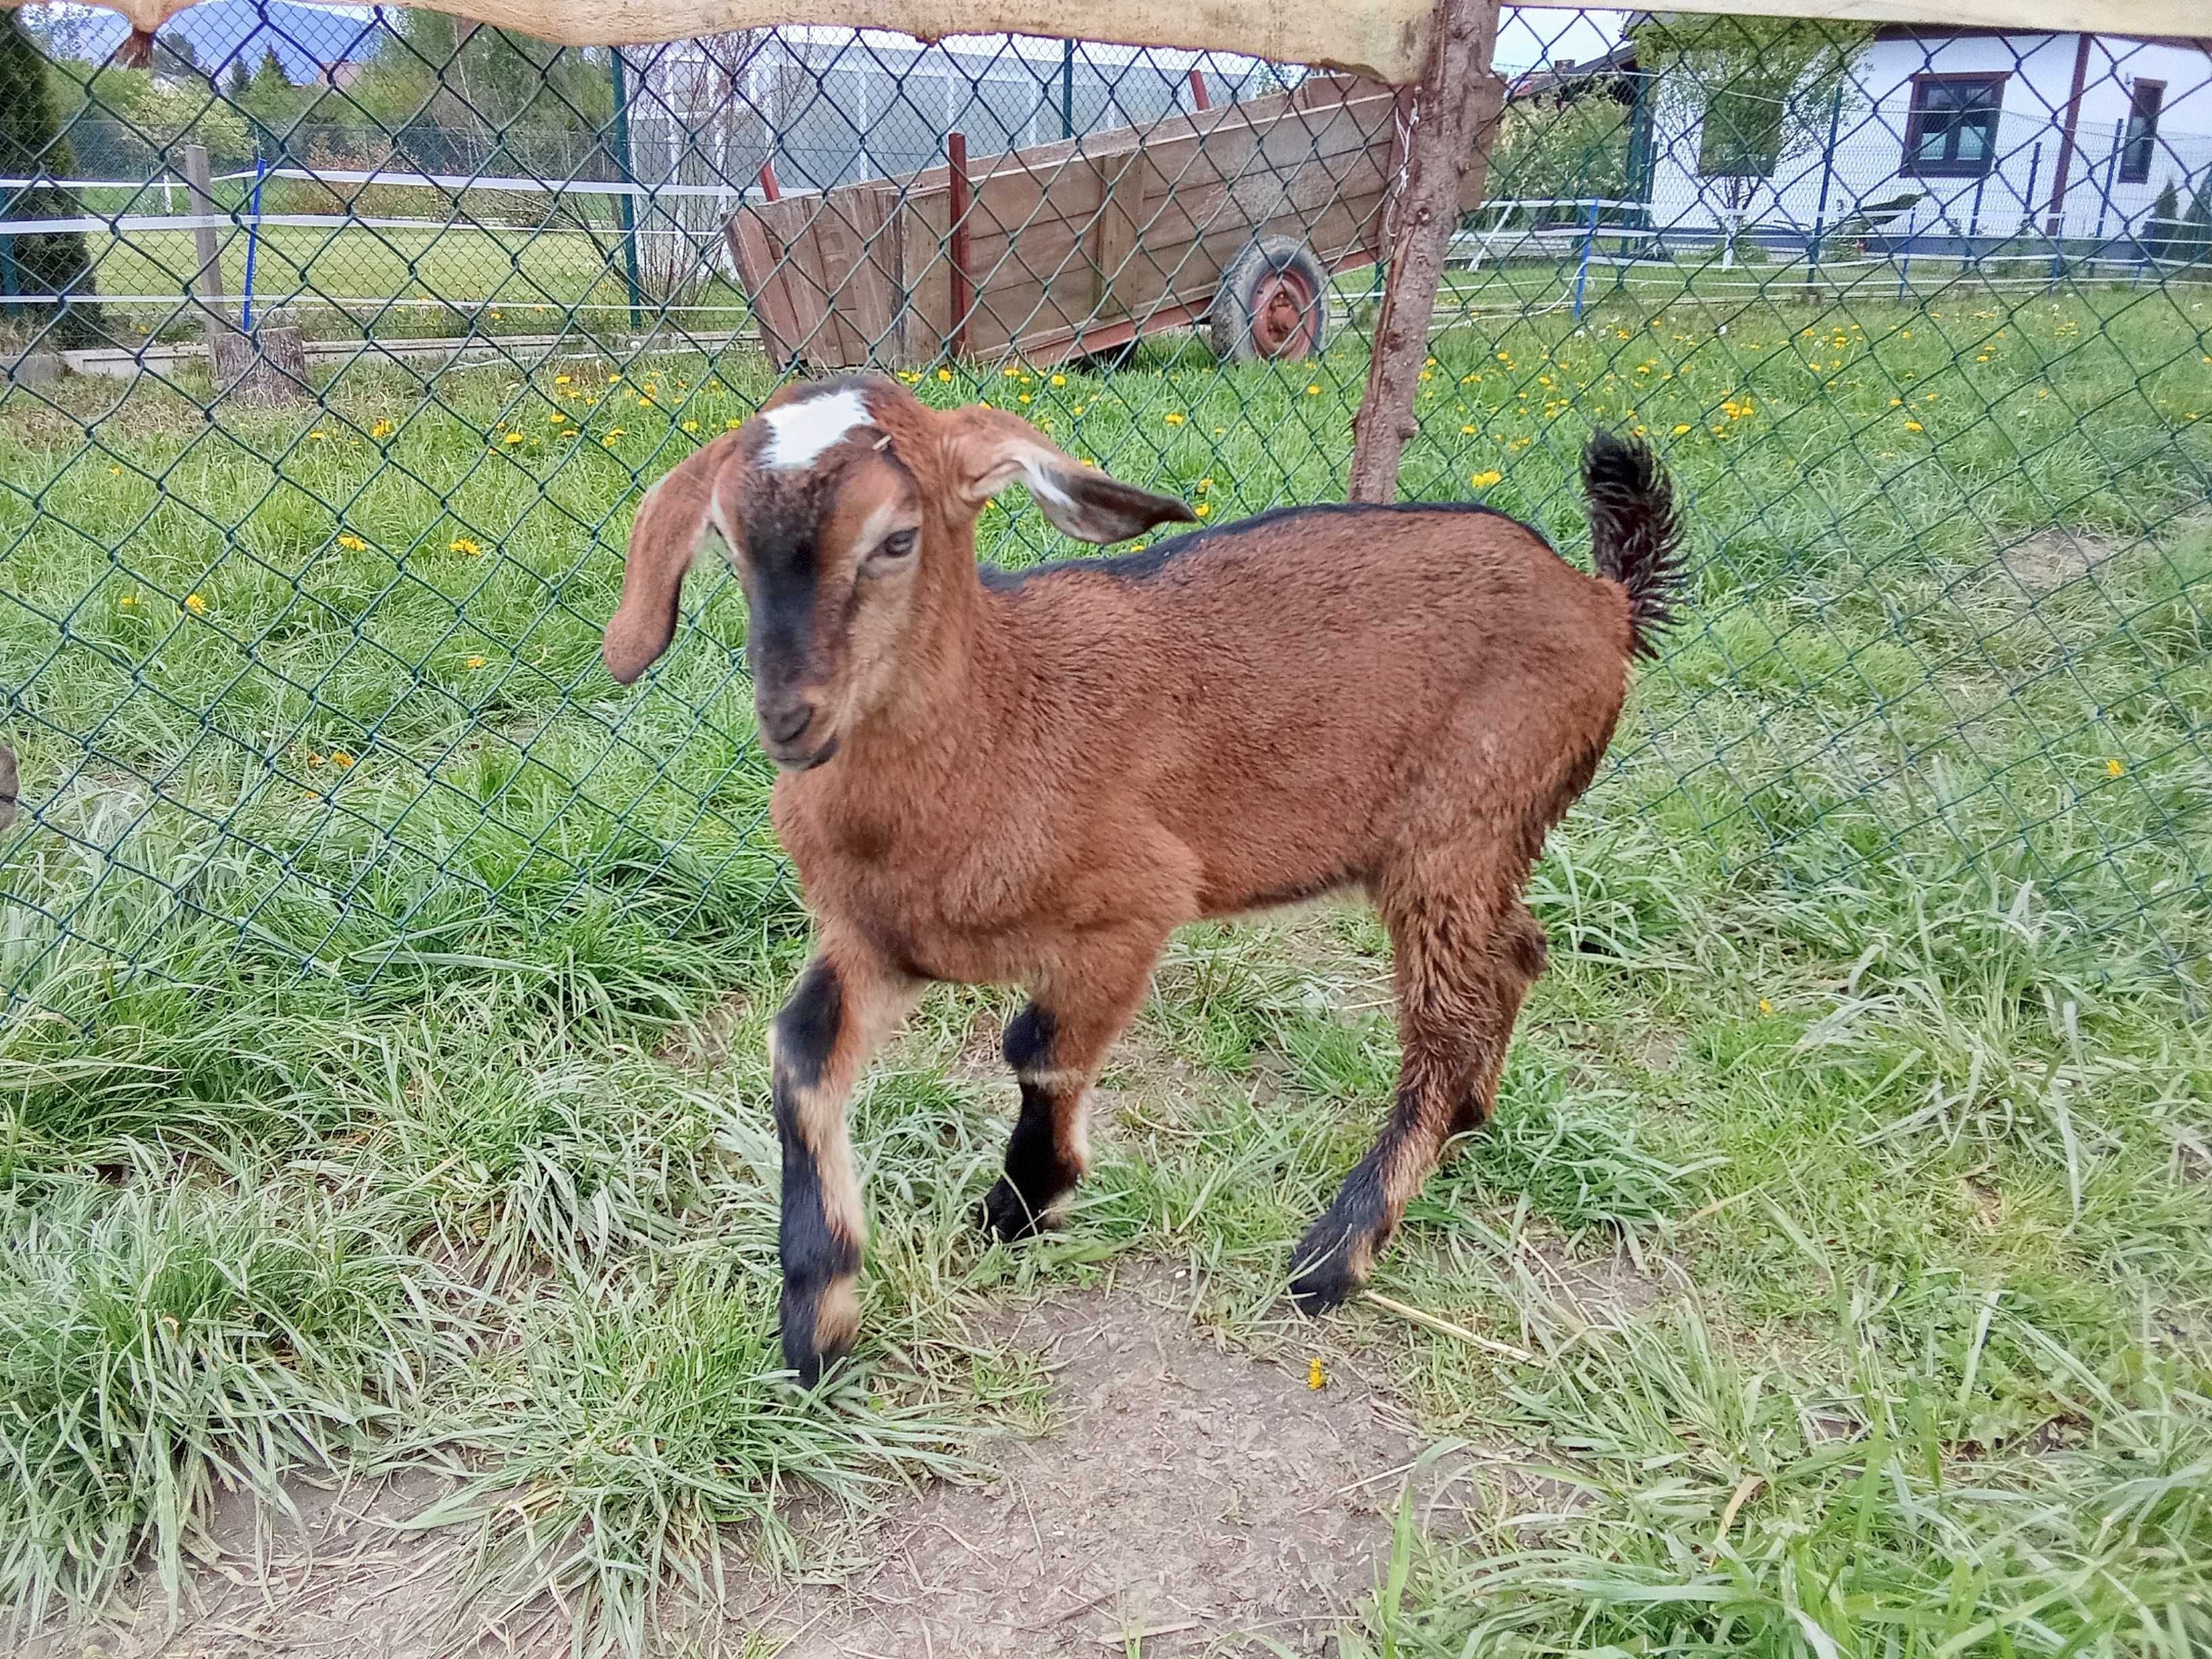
128, 601
556, 418
476, 662
1175, 417
1483, 480
494, 316
114, 472
1313, 391
512, 438
1680, 429
613, 432
352, 543
944, 375
197, 604
691, 426
559, 379
319, 435
733, 422
1467, 431
1316, 1377
2113, 770
340, 757
464, 544
1023, 397
1765, 1006
1914, 426
1059, 380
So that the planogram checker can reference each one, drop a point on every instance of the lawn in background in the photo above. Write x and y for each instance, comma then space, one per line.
1871, 1028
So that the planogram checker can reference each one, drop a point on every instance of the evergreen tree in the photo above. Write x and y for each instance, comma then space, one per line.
2164, 228
32, 142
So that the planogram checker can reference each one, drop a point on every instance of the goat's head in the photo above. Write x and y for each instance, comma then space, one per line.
848, 507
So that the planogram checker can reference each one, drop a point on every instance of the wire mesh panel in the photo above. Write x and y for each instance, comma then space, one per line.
302, 638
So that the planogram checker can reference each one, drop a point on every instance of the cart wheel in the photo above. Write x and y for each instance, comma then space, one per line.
1273, 304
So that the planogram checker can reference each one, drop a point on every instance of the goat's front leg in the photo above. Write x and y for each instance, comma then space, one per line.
1056, 1046
845, 1004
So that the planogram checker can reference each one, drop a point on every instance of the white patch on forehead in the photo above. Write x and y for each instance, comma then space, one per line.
799, 432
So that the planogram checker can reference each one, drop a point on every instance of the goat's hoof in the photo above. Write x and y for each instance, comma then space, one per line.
819, 1326
1007, 1216
1324, 1272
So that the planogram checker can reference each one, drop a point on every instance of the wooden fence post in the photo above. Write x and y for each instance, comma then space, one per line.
207, 246
1456, 117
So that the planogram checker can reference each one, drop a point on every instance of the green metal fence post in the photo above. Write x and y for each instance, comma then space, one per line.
627, 207
1067, 89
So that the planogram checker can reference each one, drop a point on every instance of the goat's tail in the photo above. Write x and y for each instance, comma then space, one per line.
1635, 531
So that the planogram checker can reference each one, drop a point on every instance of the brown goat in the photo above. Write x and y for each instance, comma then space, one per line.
1032, 777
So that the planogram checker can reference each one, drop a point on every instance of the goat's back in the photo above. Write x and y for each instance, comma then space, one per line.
1299, 692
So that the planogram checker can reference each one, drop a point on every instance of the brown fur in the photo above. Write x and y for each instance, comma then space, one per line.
1034, 783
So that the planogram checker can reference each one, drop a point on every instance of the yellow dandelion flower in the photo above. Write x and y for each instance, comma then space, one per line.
340, 757
512, 438
1313, 391
1680, 429
1059, 380
1914, 426
128, 600
2114, 768
1483, 480
476, 662
1201, 509
691, 426
352, 543
946, 375
464, 544
1765, 1006
1316, 1377
1174, 417
196, 604
559, 379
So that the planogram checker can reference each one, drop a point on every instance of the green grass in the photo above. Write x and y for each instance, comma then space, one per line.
383, 1083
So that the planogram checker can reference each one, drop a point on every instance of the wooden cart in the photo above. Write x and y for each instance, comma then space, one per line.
1065, 249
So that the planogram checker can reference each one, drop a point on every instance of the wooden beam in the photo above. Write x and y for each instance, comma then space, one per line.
1448, 131
964, 284
207, 247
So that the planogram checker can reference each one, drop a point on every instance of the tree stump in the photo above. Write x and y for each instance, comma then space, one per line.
268, 366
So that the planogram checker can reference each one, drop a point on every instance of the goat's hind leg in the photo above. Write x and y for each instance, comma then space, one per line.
1056, 1046
843, 1005
1464, 959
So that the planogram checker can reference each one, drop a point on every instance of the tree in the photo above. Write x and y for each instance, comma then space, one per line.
33, 141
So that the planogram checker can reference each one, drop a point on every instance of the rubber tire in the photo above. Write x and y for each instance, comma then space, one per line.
1230, 320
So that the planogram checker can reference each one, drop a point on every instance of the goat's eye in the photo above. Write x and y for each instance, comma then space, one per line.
898, 545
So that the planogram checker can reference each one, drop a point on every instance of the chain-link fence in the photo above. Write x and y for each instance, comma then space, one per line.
301, 642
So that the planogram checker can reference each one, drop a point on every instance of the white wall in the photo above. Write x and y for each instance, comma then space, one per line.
2015, 192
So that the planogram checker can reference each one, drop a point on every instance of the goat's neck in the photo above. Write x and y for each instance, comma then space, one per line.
939, 714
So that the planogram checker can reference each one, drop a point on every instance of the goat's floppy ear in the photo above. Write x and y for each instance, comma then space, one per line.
990, 449
665, 536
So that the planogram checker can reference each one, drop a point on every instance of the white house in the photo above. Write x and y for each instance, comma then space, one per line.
1995, 133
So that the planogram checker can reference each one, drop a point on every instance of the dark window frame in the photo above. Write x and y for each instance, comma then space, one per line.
2140, 143
1917, 123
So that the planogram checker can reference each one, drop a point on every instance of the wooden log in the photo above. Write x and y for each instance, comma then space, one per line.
267, 367
1461, 36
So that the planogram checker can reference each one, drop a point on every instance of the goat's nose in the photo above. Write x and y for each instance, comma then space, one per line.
787, 722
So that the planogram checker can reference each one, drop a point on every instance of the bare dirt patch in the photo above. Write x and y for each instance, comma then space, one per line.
2052, 558
1199, 1497
342, 1577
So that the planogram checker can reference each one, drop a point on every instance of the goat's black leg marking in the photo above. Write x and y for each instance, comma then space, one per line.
1056, 1045
1462, 966
818, 1045
1044, 1158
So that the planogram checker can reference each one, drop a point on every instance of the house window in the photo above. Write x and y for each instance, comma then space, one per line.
1742, 135
1952, 132
2143, 131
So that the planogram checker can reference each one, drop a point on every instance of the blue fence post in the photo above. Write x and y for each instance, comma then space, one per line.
1827, 177
1582, 272
252, 243
627, 210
